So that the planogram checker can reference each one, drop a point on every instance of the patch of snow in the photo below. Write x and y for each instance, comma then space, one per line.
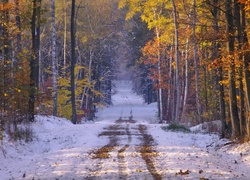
207, 127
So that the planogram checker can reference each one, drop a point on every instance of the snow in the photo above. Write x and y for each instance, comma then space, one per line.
125, 104
61, 150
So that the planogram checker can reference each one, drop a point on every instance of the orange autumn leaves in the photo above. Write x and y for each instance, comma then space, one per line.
150, 59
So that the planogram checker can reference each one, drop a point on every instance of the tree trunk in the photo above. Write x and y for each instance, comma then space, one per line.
18, 24
238, 22
170, 99
87, 91
6, 56
197, 89
224, 130
159, 76
54, 61
246, 69
65, 36
34, 60
186, 81
37, 42
178, 86
215, 55
231, 72
72, 67
160, 103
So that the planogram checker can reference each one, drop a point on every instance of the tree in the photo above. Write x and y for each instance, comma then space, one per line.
231, 71
18, 24
197, 93
72, 66
220, 86
6, 51
54, 61
4, 57
238, 22
246, 61
177, 62
34, 59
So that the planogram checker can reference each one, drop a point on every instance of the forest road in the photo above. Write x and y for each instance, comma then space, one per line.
130, 149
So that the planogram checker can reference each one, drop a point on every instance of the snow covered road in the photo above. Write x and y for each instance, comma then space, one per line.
124, 143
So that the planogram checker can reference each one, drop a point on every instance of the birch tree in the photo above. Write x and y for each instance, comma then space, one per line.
54, 61
177, 61
197, 93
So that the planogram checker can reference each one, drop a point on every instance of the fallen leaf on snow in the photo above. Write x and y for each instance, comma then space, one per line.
202, 178
138, 170
182, 173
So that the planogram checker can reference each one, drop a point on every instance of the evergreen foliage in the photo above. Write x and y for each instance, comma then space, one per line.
176, 128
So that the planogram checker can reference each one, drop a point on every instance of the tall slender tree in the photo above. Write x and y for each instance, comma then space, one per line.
238, 22
219, 79
231, 71
54, 61
34, 60
177, 61
73, 57
18, 24
5, 58
246, 62
197, 89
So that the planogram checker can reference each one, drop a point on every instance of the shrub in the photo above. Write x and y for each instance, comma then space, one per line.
176, 128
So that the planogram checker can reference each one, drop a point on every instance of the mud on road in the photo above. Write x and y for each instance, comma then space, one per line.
129, 154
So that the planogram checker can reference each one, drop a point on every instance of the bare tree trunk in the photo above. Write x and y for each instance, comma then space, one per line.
18, 24
197, 89
237, 15
231, 72
17, 56
186, 87
65, 36
54, 61
6, 56
170, 84
215, 55
157, 30
178, 88
34, 61
87, 88
246, 69
224, 130
72, 67
159, 74
38, 51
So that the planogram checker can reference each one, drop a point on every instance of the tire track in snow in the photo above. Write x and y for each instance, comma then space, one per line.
117, 153
123, 165
147, 152
104, 152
